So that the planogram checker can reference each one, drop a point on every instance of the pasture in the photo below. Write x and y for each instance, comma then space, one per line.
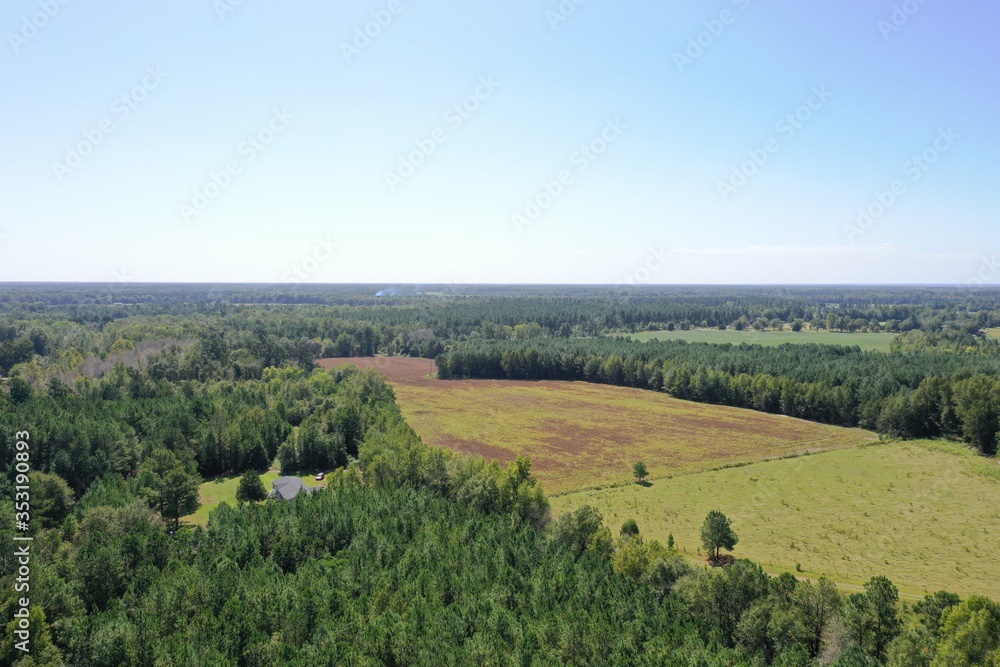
580, 435
923, 513
879, 342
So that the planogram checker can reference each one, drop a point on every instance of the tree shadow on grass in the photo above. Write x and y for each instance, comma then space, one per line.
645, 483
723, 559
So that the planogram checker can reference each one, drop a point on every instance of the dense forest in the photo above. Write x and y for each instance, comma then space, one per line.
133, 395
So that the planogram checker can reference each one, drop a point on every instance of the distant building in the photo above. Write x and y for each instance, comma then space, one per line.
286, 488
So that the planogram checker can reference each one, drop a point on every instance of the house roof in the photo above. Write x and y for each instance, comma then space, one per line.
286, 488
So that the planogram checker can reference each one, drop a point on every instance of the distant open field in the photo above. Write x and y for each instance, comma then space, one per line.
993, 333
923, 513
580, 435
866, 341
223, 489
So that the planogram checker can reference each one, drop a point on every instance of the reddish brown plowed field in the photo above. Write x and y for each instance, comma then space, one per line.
580, 435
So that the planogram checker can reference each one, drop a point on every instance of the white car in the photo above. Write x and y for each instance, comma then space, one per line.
320, 476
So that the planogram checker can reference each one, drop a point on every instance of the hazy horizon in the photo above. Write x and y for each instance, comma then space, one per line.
485, 284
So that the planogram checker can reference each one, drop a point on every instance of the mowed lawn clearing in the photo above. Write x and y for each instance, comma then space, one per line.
223, 490
879, 342
925, 514
580, 435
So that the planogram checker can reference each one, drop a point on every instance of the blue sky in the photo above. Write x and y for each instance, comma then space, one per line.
730, 141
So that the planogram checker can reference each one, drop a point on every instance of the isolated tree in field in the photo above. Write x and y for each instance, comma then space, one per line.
251, 488
630, 529
640, 472
717, 534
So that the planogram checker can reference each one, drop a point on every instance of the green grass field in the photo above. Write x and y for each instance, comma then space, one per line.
922, 513
223, 490
866, 341
993, 333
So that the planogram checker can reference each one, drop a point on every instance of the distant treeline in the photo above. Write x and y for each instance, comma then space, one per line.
234, 340
929, 392
452, 311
